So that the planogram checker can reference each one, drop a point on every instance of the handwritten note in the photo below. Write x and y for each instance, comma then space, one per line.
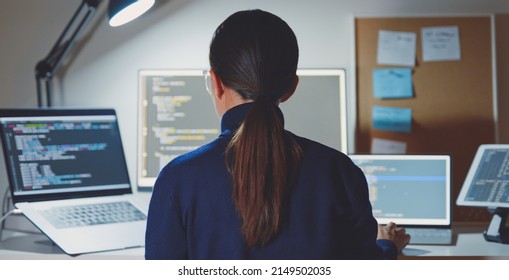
441, 43
392, 83
396, 48
392, 119
383, 146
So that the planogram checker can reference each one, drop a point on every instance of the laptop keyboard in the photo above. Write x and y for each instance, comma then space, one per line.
429, 235
92, 214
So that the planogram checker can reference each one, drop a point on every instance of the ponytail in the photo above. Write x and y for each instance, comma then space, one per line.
262, 158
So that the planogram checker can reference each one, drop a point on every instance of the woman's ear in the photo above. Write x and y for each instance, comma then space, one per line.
292, 90
217, 85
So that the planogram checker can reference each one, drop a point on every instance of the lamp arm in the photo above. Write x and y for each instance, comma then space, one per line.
46, 67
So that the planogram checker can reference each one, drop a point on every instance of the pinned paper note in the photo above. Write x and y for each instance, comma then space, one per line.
392, 83
383, 146
392, 119
441, 43
396, 48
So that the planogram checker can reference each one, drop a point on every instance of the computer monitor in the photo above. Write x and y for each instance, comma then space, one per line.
176, 115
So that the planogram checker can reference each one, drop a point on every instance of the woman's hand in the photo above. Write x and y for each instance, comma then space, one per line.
396, 234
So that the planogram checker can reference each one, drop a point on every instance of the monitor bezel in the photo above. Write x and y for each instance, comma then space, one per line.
59, 112
461, 200
145, 183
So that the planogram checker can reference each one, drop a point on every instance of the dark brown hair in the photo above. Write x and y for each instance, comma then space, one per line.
255, 53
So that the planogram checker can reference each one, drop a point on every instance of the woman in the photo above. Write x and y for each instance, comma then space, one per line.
259, 191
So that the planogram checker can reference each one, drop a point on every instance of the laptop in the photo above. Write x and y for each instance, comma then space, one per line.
68, 175
413, 191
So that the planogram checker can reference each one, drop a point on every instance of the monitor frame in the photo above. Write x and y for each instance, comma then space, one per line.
146, 183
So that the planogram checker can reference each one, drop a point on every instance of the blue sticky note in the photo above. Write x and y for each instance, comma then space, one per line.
392, 119
392, 83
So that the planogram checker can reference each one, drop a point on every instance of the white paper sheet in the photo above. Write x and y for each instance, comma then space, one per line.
396, 48
382, 146
441, 43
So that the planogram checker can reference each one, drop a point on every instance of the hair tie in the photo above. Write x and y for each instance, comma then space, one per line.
261, 95
265, 96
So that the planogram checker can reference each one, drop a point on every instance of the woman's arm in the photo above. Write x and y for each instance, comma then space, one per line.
165, 236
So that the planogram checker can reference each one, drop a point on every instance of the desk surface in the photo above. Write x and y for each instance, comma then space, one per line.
468, 243
18, 245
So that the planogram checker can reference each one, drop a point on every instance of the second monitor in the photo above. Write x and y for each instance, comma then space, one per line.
176, 114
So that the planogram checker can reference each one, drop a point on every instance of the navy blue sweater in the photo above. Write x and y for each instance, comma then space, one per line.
192, 214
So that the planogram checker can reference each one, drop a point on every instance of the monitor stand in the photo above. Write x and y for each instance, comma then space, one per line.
497, 230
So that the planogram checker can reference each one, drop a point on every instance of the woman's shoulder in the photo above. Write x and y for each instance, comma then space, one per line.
313, 147
197, 158
325, 158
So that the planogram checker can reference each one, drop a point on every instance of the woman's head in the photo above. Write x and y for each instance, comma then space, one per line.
255, 53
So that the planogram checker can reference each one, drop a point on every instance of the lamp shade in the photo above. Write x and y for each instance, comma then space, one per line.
123, 11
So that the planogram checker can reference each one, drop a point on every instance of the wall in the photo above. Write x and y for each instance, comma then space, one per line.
176, 35
502, 45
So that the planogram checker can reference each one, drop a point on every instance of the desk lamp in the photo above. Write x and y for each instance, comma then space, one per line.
119, 12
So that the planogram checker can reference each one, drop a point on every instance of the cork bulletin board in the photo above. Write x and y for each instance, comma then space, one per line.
452, 102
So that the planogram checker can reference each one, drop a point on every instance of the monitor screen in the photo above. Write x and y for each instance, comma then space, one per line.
408, 189
51, 152
487, 181
176, 115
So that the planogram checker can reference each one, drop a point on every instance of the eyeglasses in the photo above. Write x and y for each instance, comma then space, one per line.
208, 82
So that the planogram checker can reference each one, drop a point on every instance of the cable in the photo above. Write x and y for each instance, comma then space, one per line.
13, 211
6, 205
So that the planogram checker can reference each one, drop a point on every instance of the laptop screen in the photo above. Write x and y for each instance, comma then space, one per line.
55, 153
408, 189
